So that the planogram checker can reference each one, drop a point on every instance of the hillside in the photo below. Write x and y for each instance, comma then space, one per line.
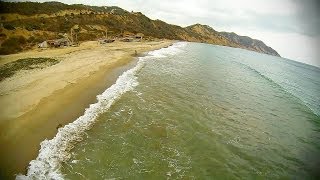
249, 43
25, 24
207, 34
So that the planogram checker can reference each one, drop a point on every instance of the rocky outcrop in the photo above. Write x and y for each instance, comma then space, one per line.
207, 34
249, 43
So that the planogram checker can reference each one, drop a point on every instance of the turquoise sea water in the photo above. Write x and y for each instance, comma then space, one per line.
195, 111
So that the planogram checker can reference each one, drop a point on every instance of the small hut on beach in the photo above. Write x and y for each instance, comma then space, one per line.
105, 39
55, 43
59, 42
139, 36
44, 44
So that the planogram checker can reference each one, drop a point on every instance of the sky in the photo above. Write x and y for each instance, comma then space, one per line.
291, 27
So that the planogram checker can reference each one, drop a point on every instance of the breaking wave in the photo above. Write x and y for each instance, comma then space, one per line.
53, 152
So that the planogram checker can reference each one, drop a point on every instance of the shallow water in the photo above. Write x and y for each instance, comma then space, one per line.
197, 111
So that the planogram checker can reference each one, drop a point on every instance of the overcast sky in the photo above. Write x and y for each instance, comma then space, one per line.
291, 27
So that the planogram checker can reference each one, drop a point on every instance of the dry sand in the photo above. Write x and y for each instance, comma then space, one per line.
34, 102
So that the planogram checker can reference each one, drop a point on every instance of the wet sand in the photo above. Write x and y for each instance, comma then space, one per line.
34, 102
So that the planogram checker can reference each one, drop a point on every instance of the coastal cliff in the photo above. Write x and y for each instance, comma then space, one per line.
249, 43
25, 24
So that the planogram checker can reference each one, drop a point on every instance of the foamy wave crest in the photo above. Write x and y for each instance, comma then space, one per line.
53, 152
171, 50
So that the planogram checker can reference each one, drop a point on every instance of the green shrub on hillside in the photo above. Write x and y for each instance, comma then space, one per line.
31, 27
12, 45
9, 27
31, 8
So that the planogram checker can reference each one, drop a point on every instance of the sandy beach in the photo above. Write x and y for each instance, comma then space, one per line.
34, 102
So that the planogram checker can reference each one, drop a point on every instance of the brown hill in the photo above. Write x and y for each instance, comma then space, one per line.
249, 43
25, 24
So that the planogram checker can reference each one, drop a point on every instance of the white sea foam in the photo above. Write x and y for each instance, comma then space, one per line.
171, 50
53, 152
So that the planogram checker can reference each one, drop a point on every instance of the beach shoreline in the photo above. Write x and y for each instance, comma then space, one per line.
36, 102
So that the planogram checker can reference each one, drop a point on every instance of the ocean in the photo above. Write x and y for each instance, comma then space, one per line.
195, 111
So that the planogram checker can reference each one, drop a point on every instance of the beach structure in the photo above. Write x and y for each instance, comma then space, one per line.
55, 43
130, 37
105, 39
44, 44
66, 40
74, 35
139, 36
127, 39
59, 42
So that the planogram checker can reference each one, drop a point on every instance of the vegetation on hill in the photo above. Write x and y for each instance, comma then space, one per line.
12, 45
31, 8
38, 21
208, 35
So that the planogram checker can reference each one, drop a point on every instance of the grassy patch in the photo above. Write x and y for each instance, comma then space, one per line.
9, 69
